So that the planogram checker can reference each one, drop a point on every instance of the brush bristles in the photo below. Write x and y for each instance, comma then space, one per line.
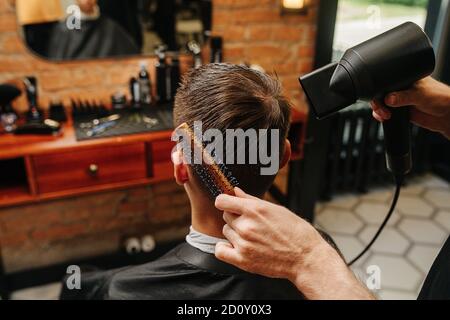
217, 178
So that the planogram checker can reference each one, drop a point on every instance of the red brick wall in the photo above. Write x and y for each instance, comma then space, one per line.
256, 32
40, 234
56, 231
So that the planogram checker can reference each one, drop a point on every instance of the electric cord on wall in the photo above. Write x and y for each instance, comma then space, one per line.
399, 182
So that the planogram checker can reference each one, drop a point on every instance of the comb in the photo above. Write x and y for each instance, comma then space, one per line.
217, 178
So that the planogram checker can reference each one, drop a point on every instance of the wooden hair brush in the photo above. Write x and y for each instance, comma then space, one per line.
217, 178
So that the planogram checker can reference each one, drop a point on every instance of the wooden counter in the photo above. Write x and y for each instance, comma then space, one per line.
37, 168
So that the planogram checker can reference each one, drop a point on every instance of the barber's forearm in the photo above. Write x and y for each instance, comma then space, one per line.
323, 275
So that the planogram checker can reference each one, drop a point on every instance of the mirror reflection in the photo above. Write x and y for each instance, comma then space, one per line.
86, 29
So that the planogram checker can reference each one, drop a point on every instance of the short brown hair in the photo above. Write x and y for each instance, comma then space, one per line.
226, 96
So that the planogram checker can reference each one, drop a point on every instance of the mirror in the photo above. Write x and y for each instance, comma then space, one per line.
89, 29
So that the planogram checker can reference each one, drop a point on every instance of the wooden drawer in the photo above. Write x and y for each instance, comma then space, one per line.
91, 167
161, 153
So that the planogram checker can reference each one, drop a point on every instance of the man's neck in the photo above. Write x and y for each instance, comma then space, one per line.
209, 222
206, 218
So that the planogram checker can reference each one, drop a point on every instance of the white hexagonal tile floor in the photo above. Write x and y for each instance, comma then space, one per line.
339, 221
413, 189
396, 272
422, 256
345, 202
350, 246
443, 219
389, 241
439, 198
396, 295
431, 181
408, 246
422, 231
409, 205
374, 213
379, 195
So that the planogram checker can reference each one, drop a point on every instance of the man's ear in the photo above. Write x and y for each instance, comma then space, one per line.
287, 154
180, 170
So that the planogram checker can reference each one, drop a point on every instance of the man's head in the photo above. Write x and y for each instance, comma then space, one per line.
87, 6
225, 96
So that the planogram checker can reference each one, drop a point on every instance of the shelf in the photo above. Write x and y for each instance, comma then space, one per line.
13, 195
13, 181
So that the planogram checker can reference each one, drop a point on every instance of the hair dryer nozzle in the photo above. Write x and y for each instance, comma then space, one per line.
323, 101
341, 82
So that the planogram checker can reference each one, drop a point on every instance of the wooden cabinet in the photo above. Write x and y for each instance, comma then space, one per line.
42, 168
160, 154
91, 167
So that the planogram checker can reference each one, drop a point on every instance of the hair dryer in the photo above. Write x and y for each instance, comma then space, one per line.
390, 62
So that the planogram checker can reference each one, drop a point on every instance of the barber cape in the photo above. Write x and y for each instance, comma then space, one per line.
185, 273
97, 38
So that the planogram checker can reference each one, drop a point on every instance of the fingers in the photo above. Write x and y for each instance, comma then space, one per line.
232, 204
243, 227
230, 218
378, 117
231, 235
402, 98
380, 112
225, 252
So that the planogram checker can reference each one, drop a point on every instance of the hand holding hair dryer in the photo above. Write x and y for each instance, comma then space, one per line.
390, 62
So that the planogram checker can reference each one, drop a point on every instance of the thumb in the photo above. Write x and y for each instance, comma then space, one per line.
402, 98
225, 252
241, 194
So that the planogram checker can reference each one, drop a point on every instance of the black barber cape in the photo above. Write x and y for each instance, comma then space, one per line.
185, 273
99, 38
437, 283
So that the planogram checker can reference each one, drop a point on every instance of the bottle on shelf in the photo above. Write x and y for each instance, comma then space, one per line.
196, 52
145, 86
34, 114
216, 47
161, 77
135, 94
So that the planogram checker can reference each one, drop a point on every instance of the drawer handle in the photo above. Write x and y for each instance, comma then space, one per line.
93, 169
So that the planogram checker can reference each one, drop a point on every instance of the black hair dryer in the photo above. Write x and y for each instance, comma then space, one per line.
390, 62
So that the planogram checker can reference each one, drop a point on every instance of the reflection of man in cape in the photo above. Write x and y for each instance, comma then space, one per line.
38, 17
97, 37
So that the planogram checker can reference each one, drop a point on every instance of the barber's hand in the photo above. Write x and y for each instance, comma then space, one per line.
265, 238
430, 102
272, 241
